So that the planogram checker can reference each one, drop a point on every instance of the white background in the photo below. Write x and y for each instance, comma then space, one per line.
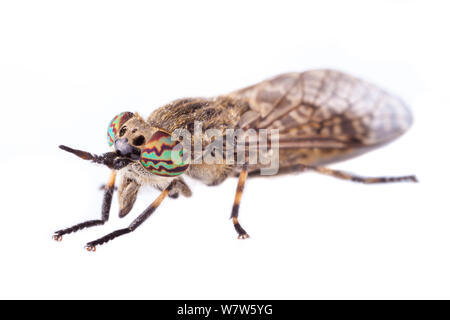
66, 68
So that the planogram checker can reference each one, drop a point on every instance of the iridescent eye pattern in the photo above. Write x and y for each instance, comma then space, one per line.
156, 157
115, 125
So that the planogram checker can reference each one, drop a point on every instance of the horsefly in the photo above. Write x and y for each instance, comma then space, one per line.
290, 123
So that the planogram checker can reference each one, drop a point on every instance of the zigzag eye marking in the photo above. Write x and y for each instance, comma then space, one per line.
115, 124
156, 157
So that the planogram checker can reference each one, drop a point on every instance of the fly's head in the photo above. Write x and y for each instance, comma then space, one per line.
153, 149
127, 134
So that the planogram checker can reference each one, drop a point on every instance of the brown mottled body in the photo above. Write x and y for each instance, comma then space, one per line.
219, 113
323, 116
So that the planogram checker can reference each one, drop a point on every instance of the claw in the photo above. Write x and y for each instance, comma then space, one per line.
90, 248
243, 236
57, 237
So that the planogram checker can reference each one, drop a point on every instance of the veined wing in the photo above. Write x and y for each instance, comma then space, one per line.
324, 106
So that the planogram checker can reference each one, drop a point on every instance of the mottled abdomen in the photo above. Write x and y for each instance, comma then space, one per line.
324, 115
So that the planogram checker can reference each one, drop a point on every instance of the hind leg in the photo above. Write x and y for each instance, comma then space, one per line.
346, 175
242, 234
355, 178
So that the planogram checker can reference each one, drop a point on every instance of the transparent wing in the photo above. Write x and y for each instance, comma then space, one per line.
324, 109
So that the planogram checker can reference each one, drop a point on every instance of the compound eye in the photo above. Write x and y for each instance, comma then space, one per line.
163, 156
115, 125
122, 131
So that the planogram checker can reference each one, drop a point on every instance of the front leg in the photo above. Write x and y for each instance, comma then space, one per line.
106, 206
136, 223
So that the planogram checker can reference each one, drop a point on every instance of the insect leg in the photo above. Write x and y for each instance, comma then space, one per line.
237, 201
106, 206
103, 187
352, 177
90, 246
